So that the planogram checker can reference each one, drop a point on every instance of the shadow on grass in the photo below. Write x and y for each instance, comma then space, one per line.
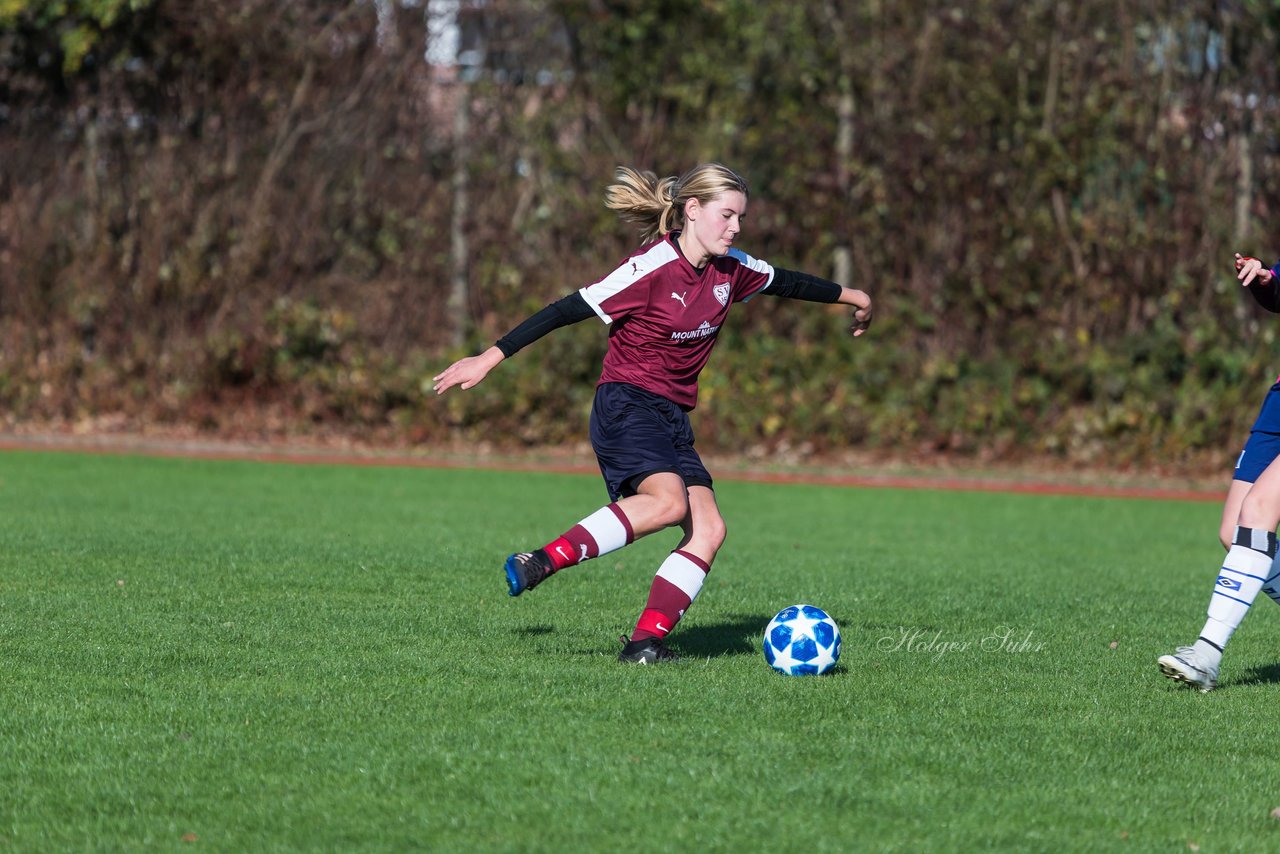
741, 635
1268, 674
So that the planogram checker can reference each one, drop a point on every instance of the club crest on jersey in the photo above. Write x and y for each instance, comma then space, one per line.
722, 293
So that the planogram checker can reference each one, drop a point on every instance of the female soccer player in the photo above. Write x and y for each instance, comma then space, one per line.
1249, 519
664, 305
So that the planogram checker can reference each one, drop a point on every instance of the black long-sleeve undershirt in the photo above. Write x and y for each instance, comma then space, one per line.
562, 312
789, 284
792, 284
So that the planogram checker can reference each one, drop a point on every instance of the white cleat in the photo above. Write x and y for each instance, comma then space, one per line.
1186, 667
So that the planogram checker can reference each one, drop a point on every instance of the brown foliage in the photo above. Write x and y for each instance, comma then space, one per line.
254, 205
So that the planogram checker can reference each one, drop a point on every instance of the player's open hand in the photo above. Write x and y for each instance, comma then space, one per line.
467, 373
1248, 269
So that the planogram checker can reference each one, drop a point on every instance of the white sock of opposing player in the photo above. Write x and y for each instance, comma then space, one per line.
1244, 572
1272, 585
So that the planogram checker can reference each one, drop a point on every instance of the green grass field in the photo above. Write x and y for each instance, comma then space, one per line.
240, 656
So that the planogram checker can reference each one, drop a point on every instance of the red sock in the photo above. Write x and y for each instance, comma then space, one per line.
673, 590
654, 623
603, 531
562, 553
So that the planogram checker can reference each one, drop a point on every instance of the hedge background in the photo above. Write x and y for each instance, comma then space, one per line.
280, 219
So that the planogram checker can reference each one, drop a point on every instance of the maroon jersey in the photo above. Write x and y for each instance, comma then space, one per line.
664, 315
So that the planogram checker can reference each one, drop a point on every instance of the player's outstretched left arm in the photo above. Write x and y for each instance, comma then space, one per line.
862, 310
467, 373
792, 284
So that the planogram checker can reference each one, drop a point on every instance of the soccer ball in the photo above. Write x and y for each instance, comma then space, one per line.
802, 641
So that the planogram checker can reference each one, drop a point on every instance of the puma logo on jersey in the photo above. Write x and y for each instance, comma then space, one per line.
680, 297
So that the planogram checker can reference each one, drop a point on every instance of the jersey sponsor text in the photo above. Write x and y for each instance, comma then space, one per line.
701, 332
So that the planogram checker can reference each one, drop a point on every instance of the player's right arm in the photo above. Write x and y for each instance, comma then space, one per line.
468, 372
1261, 282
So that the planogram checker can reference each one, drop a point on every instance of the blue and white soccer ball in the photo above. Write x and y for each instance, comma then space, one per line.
802, 641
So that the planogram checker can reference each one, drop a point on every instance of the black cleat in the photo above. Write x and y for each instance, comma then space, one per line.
646, 651
526, 570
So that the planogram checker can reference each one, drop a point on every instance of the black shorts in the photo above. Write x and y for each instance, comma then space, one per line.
636, 433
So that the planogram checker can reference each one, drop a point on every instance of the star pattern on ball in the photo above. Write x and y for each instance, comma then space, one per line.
802, 640
803, 625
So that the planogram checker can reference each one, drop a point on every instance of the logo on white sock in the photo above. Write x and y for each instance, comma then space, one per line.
1229, 583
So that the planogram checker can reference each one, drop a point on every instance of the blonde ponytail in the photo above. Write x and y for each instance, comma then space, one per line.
657, 204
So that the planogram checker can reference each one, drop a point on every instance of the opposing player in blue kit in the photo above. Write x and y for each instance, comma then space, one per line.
1250, 515
664, 305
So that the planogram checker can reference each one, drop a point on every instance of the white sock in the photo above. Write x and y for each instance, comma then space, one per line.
1272, 585
1244, 572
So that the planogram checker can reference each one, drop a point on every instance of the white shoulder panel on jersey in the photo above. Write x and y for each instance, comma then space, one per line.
628, 273
753, 264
